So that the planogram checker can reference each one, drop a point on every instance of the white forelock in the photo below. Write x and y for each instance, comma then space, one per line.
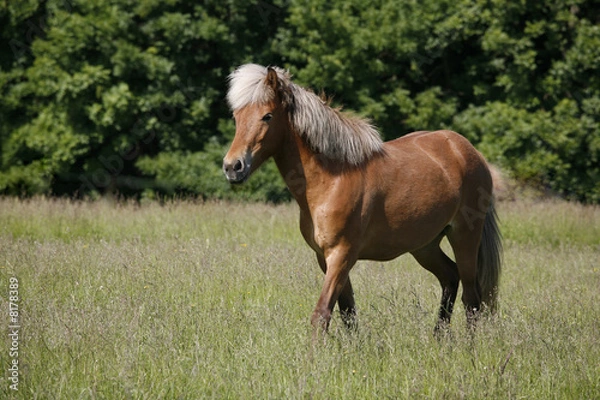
247, 85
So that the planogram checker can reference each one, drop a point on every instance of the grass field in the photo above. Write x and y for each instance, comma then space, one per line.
194, 301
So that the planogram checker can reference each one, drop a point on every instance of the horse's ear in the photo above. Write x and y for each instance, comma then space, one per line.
271, 79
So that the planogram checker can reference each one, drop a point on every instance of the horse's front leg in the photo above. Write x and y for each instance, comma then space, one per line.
338, 263
345, 300
348, 307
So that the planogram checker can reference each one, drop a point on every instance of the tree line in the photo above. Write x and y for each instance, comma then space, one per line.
128, 97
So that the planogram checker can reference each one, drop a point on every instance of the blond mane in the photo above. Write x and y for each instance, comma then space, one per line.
337, 135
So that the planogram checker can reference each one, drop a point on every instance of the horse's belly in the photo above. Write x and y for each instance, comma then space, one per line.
389, 246
380, 255
391, 234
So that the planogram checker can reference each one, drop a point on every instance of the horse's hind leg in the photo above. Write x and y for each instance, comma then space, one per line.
432, 258
465, 243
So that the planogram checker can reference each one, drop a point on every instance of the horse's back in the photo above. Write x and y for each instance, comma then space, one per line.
449, 150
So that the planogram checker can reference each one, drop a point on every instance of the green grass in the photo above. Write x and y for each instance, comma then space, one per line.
193, 301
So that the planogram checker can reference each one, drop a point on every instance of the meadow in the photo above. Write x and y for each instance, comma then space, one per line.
190, 300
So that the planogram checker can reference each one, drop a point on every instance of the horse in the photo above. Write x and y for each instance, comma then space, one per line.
362, 198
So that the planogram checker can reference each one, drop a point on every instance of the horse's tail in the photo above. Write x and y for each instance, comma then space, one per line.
489, 261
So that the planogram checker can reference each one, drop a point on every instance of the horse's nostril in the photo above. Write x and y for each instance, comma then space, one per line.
238, 166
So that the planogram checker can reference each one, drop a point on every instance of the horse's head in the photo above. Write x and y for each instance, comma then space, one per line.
260, 119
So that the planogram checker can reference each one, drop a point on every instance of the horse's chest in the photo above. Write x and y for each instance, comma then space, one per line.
308, 231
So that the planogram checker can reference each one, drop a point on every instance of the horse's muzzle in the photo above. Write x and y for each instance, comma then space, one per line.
236, 171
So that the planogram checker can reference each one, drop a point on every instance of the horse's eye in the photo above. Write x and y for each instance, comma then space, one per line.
267, 117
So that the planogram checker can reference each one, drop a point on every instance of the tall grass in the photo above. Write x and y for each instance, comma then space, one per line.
189, 300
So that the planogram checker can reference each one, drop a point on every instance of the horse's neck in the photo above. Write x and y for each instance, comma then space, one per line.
299, 168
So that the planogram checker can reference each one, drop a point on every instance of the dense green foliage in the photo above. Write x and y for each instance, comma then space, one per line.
128, 97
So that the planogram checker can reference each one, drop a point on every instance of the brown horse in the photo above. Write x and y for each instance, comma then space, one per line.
361, 198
